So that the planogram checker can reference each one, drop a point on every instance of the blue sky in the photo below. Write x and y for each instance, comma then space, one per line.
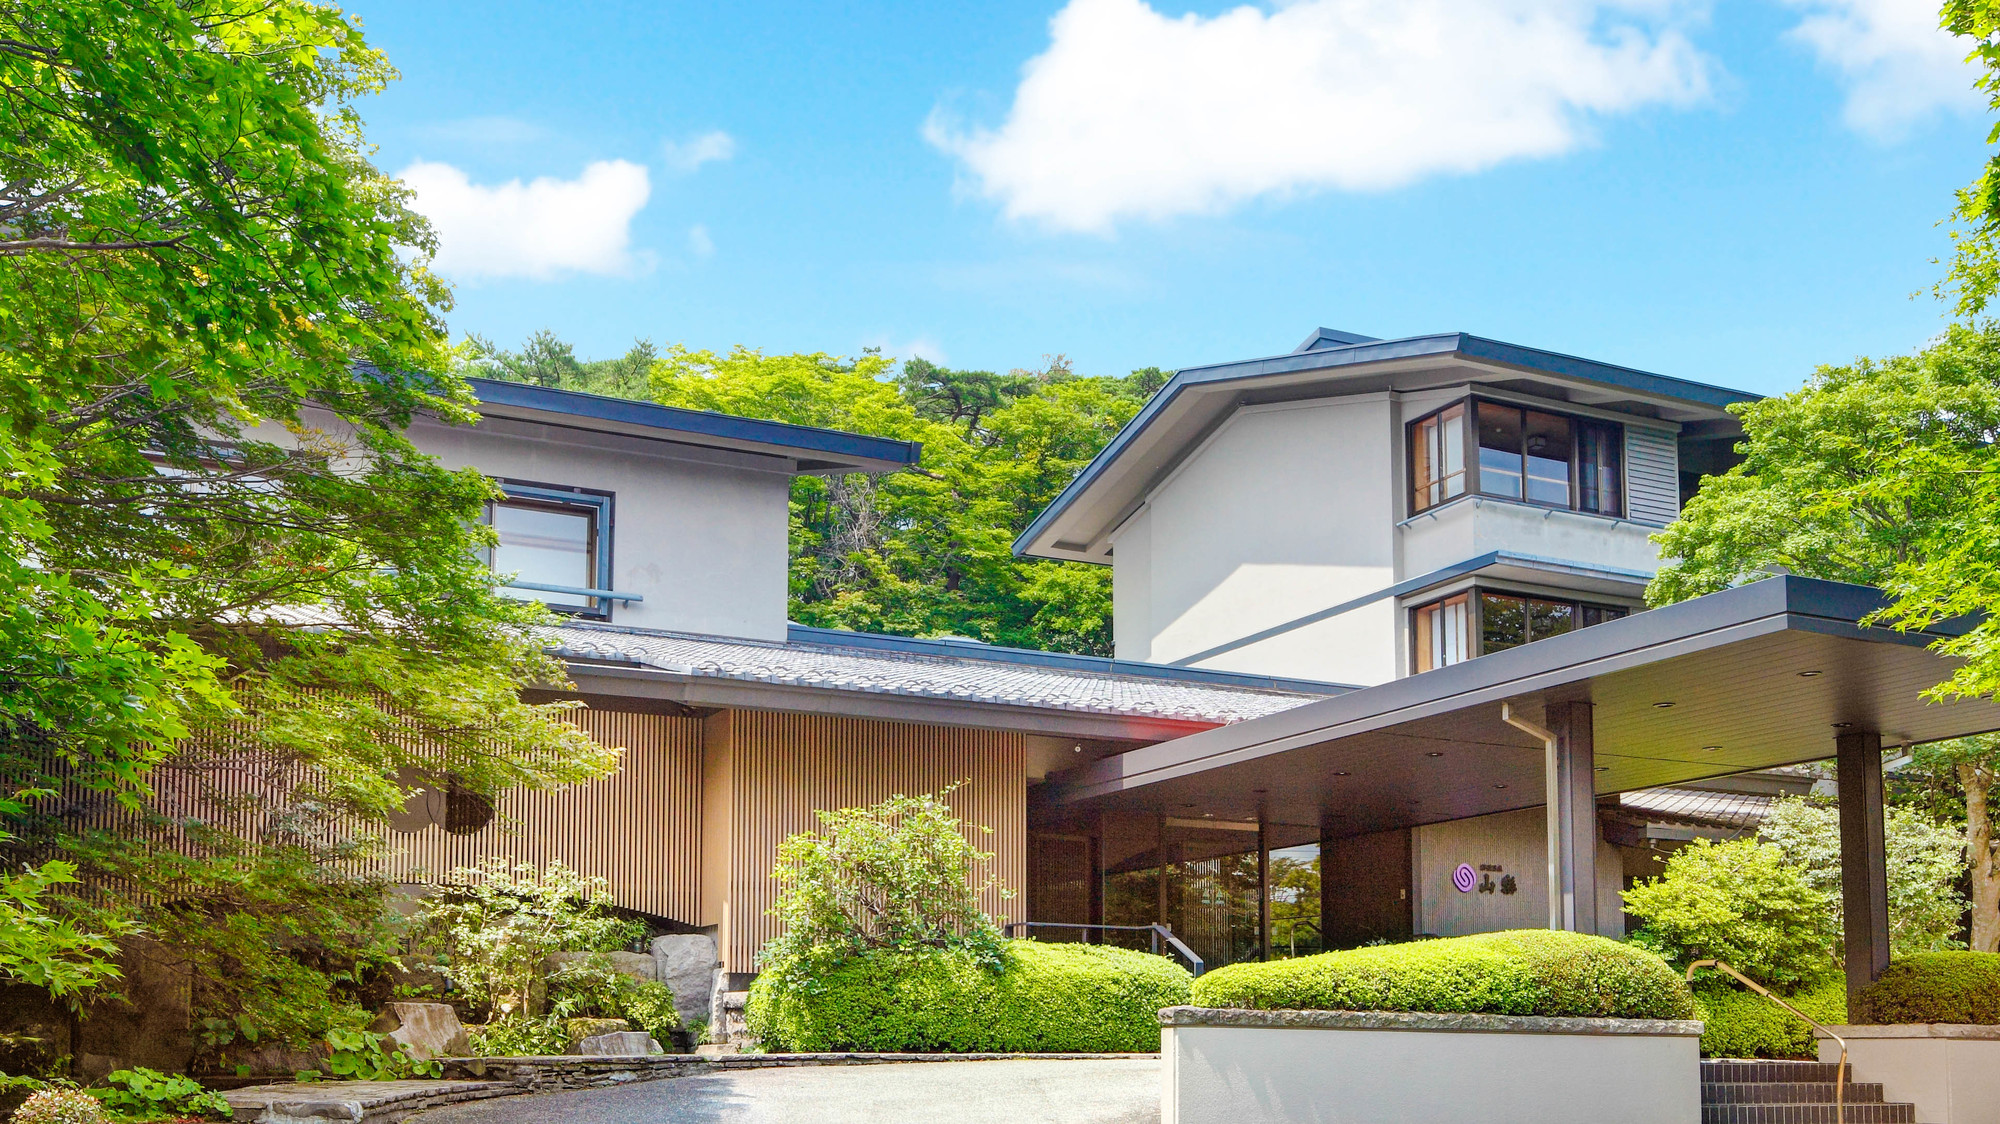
1731, 192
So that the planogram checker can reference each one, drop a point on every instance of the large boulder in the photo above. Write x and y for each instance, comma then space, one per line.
686, 962
426, 1030
582, 1030
622, 1043
637, 965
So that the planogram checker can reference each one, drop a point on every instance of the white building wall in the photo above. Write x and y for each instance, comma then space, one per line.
1517, 843
701, 534
1478, 525
1284, 511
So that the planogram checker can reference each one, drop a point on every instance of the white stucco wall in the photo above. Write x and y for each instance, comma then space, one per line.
701, 534
1285, 510
1516, 842
1478, 525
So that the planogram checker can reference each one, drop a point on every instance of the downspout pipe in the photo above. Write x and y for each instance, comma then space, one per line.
1551, 778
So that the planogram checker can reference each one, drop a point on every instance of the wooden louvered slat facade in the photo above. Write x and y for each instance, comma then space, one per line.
768, 772
639, 828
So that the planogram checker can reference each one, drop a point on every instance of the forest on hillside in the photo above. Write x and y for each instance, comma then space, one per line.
915, 553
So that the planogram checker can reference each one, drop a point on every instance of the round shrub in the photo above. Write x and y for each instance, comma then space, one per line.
1935, 987
1738, 1023
61, 1106
1520, 972
1044, 998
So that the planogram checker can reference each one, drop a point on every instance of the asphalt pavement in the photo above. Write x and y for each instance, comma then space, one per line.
1023, 1091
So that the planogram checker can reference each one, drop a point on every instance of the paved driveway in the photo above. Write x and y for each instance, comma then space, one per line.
1118, 1091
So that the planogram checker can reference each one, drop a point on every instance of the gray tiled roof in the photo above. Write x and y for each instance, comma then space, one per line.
969, 678
1736, 810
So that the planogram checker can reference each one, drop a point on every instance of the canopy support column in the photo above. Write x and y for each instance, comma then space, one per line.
1864, 867
1571, 773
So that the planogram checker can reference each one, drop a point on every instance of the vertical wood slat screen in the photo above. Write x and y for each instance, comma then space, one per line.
788, 765
640, 828
1652, 475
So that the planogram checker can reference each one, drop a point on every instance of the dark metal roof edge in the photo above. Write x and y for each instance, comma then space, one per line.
699, 423
1809, 604
1064, 661
1375, 351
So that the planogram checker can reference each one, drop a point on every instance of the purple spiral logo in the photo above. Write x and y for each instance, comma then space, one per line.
1465, 878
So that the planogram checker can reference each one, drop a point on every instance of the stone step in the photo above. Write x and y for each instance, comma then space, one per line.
1787, 1092
1740, 1070
1822, 1113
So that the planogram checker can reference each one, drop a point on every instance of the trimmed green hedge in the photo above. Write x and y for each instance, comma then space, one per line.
1520, 972
1935, 987
1739, 1023
1046, 998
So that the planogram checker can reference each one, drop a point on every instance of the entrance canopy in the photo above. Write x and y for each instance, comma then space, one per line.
1766, 674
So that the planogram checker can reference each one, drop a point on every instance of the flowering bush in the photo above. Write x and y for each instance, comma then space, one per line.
61, 1106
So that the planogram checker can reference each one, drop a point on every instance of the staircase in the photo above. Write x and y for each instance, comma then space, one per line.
1764, 1092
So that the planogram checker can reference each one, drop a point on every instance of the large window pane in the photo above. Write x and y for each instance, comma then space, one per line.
1295, 889
1500, 451
1549, 618
548, 545
1598, 487
1503, 622
1548, 446
1437, 458
1441, 632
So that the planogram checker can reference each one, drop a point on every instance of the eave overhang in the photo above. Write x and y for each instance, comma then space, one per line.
1754, 677
1079, 524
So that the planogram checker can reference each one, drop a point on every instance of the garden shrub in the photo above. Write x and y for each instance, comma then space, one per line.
593, 987
1741, 902
1739, 1023
1935, 987
1519, 972
518, 1036
1053, 998
61, 1106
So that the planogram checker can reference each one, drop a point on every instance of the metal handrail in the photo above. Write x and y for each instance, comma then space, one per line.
1159, 933
1840, 1075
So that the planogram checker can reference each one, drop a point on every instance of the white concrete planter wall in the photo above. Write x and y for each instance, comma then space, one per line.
1950, 1072
1361, 1067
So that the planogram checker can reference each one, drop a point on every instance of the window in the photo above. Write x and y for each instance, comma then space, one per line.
1437, 458
1478, 622
554, 542
1521, 454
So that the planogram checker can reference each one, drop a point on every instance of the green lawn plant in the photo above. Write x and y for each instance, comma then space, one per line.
1935, 987
1038, 998
900, 875
1517, 972
1741, 902
141, 1094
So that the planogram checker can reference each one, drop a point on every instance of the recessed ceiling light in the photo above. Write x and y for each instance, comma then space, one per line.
1342, 773
1711, 749
1499, 786
1809, 674
1843, 725
1434, 753
1661, 705
1604, 768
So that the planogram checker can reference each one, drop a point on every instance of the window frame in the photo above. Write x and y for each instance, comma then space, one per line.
1475, 617
599, 504
1469, 445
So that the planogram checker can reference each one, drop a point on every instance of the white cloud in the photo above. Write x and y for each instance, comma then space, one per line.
542, 229
1899, 65
686, 156
1130, 113
699, 243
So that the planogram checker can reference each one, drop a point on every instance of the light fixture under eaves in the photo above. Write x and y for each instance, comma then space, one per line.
1662, 705
1809, 674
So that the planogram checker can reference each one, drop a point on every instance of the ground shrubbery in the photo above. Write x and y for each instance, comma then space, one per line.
1042, 998
1739, 1023
1521, 972
1935, 987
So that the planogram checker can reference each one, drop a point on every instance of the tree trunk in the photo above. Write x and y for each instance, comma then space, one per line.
1978, 780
